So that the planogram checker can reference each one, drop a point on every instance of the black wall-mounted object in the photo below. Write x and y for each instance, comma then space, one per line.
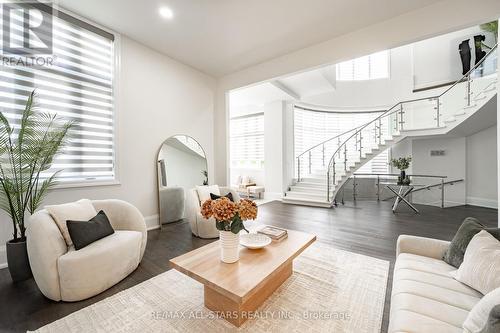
478, 46
465, 56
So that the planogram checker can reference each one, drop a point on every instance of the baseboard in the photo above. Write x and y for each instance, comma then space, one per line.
273, 195
3, 257
438, 203
482, 202
152, 222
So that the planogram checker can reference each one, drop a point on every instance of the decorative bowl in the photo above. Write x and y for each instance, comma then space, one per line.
254, 241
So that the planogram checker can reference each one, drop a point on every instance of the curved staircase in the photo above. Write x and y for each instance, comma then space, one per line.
322, 170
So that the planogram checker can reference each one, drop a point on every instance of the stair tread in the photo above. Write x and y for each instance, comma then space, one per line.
307, 202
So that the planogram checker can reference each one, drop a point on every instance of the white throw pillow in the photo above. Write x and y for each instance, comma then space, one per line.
204, 192
481, 266
478, 316
81, 210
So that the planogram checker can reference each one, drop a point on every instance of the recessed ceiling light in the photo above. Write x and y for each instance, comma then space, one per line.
166, 12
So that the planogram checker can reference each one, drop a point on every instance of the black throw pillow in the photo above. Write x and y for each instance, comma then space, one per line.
83, 233
215, 196
454, 255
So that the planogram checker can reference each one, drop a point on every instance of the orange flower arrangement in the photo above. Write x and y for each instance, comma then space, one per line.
247, 209
223, 209
229, 216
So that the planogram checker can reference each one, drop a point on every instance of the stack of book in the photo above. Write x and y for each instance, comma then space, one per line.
275, 233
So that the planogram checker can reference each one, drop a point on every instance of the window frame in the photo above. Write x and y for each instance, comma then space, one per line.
230, 160
369, 79
116, 74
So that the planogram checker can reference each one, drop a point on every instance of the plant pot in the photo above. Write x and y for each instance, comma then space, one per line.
17, 259
402, 177
229, 247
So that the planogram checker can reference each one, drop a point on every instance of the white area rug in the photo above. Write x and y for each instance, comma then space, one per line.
329, 291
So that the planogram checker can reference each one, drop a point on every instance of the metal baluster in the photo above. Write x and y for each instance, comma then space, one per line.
378, 187
328, 185
401, 121
334, 173
354, 187
310, 161
380, 131
437, 112
323, 154
298, 169
345, 158
442, 192
468, 90
360, 146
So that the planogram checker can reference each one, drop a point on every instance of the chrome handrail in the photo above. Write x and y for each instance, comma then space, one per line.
396, 175
389, 113
466, 75
328, 140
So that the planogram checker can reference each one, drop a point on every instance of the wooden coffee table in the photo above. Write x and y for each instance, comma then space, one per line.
236, 290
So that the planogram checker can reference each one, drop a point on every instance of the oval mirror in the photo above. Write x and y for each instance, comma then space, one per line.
182, 165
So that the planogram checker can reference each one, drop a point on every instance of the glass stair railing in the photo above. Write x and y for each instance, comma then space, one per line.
322, 169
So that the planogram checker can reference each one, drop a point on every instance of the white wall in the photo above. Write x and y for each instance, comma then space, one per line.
379, 93
158, 97
482, 167
273, 148
453, 165
443, 64
416, 25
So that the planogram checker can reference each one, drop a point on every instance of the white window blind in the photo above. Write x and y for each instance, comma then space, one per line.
78, 86
378, 164
370, 67
247, 141
313, 127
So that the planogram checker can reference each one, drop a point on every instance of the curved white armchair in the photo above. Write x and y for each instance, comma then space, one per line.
62, 273
201, 227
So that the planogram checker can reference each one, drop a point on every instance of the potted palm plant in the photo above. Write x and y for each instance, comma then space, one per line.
27, 149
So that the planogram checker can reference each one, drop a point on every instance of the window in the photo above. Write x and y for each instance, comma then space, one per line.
247, 141
314, 127
371, 67
77, 86
378, 164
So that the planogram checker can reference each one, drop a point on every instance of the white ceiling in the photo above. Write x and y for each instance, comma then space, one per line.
256, 95
219, 37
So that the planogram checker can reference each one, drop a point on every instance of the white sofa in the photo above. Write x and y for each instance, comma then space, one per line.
425, 297
64, 274
200, 226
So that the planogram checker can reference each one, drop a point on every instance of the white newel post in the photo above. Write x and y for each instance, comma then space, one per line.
229, 246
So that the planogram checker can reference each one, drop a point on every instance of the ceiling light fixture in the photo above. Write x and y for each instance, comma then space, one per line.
166, 13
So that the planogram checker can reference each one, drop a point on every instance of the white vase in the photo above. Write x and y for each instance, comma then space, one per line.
229, 247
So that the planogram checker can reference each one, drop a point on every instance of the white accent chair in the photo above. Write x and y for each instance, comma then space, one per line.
200, 226
62, 273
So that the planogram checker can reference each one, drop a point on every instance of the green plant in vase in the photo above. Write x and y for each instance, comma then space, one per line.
402, 163
27, 150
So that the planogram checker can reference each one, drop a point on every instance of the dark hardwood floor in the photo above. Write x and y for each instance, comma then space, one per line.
367, 227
